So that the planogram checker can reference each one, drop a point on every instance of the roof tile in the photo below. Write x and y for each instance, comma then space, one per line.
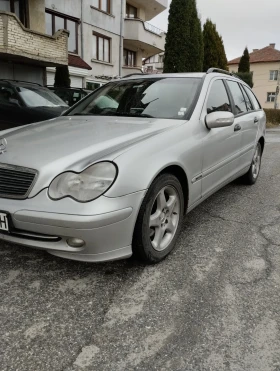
267, 54
76, 61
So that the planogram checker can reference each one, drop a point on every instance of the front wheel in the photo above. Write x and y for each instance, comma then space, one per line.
160, 219
252, 175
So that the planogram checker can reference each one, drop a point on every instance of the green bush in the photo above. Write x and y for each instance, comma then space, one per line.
214, 51
62, 77
272, 115
244, 64
184, 41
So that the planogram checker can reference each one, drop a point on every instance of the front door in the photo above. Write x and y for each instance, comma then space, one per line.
221, 146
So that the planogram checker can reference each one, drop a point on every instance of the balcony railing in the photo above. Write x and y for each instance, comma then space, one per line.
20, 43
151, 28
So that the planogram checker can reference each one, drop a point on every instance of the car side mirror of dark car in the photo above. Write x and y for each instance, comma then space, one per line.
15, 102
219, 119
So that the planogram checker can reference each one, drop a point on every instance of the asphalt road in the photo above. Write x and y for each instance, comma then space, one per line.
214, 304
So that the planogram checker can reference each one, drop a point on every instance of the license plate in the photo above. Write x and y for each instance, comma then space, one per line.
4, 225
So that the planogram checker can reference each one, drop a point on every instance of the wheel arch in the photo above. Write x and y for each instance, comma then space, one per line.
262, 142
181, 175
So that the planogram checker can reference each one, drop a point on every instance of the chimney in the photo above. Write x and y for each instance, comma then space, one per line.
255, 50
272, 46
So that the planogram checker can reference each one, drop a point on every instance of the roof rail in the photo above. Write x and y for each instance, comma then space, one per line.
135, 74
25, 82
213, 69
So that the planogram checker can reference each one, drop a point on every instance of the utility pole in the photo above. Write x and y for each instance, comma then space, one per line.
277, 91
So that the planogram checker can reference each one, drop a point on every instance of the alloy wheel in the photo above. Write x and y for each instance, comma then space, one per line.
164, 218
256, 164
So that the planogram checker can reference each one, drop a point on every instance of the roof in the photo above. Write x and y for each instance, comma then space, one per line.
267, 54
76, 61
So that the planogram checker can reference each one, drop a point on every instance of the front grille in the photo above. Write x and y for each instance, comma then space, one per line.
16, 181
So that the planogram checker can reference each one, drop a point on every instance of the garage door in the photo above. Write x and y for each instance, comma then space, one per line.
50, 78
76, 81
22, 72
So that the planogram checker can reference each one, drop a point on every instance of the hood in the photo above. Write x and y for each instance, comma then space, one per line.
73, 143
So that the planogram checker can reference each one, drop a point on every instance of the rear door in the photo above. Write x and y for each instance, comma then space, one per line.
259, 115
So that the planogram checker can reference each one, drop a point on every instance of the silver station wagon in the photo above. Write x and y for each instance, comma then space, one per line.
116, 173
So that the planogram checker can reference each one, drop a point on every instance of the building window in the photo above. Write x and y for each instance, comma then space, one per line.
273, 75
271, 97
19, 7
104, 5
57, 21
131, 11
101, 48
129, 58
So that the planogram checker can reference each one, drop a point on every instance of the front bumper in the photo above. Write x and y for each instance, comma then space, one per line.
106, 225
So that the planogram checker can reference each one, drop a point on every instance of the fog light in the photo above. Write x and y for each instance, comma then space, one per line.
75, 242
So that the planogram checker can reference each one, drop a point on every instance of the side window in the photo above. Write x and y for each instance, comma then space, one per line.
7, 95
253, 98
218, 99
238, 97
249, 104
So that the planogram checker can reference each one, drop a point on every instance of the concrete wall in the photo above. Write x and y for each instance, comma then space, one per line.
24, 43
149, 8
262, 84
109, 25
37, 20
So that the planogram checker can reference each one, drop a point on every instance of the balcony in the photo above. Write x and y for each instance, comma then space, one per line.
143, 36
152, 7
20, 44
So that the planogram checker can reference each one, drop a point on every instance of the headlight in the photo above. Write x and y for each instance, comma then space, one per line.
85, 186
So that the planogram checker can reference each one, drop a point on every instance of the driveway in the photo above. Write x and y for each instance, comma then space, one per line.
214, 304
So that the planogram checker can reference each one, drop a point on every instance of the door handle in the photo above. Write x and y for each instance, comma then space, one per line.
237, 127
256, 120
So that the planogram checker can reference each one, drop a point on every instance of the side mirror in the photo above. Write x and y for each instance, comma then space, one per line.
219, 119
14, 102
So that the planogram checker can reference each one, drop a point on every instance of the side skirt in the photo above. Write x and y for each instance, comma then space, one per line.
231, 179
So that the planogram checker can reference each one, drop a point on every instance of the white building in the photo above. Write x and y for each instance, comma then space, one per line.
108, 38
154, 64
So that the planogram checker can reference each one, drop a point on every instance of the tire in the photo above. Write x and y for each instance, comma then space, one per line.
252, 175
159, 220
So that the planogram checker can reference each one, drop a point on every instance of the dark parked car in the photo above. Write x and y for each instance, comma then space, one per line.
23, 103
70, 95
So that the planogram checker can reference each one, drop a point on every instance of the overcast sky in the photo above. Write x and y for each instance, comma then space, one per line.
252, 23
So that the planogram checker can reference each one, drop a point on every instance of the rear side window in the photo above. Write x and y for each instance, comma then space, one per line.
218, 99
252, 97
249, 104
238, 97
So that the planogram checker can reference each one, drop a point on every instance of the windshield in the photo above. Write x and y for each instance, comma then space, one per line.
167, 98
36, 97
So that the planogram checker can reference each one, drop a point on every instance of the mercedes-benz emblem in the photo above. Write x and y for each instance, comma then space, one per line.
3, 145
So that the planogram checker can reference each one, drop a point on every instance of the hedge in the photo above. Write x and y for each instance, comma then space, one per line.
272, 116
